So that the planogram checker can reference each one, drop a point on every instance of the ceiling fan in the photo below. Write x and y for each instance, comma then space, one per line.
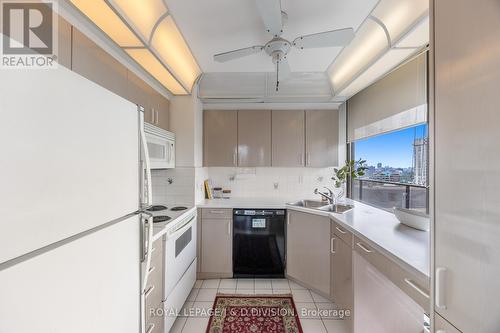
278, 48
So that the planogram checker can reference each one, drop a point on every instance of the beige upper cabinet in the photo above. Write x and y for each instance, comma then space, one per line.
322, 138
159, 110
64, 40
308, 250
220, 136
254, 138
138, 92
92, 62
288, 138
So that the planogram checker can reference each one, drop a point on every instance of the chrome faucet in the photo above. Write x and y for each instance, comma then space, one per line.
327, 195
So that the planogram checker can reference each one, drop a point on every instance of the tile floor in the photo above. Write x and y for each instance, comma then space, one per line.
194, 317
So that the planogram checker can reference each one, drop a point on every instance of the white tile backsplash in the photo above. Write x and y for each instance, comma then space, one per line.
179, 191
283, 183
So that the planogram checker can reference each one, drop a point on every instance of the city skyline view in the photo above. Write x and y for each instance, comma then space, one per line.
393, 149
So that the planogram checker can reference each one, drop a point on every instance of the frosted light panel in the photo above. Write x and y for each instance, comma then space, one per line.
170, 45
385, 64
141, 14
399, 15
369, 43
418, 37
104, 17
156, 69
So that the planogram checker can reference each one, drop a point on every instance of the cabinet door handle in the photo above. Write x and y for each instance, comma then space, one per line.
229, 228
235, 162
153, 115
417, 288
440, 275
148, 292
364, 248
217, 212
157, 117
332, 245
308, 159
150, 328
341, 231
288, 219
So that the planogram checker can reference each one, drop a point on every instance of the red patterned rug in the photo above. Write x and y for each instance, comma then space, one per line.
254, 314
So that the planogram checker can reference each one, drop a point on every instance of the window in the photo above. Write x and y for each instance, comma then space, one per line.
397, 174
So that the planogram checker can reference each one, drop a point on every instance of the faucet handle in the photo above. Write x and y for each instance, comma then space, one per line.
316, 191
329, 191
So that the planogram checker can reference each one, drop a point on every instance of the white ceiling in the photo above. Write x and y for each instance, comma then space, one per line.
215, 26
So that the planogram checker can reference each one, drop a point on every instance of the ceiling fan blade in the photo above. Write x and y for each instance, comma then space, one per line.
270, 11
284, 70
240, 53
340, 37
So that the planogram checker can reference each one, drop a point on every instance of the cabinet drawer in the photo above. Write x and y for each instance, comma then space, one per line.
414, 287
342, 233
216, 213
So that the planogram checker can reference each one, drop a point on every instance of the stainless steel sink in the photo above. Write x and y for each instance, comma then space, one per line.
308, 203
323, 206
340, 209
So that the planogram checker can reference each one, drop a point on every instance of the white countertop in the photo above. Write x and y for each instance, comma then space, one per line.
407, 247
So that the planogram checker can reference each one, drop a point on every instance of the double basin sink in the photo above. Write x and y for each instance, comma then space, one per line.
322, 206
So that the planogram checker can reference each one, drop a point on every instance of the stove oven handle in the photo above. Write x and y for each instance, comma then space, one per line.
181, 228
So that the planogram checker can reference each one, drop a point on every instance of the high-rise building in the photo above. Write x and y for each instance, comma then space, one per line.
420, 158
379, 165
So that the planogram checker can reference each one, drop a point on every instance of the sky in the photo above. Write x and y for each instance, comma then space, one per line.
392, 149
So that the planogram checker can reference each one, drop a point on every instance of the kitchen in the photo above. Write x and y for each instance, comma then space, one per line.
331, 178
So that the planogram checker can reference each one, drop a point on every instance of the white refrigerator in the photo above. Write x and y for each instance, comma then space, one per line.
71, 230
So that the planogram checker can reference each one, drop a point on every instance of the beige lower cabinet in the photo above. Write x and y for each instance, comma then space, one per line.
154, 290
308, 250
379, 305
442, 326
216, 243
341, 270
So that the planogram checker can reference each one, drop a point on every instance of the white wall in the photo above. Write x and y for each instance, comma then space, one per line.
186, 121
342, 150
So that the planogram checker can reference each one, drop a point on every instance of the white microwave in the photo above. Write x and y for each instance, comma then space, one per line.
161, 147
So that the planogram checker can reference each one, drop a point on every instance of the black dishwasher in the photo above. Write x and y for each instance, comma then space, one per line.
259, 243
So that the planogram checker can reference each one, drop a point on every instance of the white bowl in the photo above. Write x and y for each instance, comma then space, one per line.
413, 219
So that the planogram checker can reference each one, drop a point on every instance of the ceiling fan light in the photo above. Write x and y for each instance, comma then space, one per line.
106, 19
141, 14
168, 42
156, 69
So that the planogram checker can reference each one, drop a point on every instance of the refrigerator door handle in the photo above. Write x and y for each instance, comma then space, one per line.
146, 190
146, 217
